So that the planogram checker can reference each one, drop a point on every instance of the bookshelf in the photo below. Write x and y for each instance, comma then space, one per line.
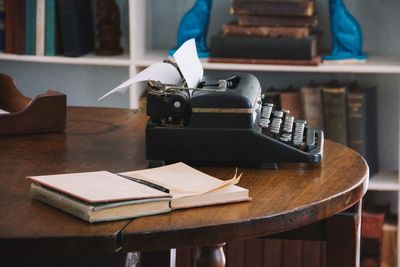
149, 30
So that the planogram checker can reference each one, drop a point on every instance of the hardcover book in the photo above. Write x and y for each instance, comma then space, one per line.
40, 26
254, 47
76, 27
19, 24
104, 196
335, 113
362, 124
283, 21
9, 26
30, 27
276, 8
50, 28
266, 31
290, 100
2, 24
311, 102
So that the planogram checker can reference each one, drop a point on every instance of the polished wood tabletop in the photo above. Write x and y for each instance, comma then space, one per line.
295, 195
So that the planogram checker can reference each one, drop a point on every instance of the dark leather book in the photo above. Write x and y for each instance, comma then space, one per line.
372, 221
2, 26
362, 124
9, 26
296, 62
240, 7
19, 35
76, 27
253, 47
265, 31
335, 113
284, 21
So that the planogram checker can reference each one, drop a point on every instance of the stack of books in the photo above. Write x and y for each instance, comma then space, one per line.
268, 32
347, 112
46, 27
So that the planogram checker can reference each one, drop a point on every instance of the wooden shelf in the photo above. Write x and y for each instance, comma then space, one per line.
89, 59
384, 181
375, 64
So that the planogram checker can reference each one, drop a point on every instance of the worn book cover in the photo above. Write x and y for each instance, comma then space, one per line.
290, 100
311, 102
254, 47
283, 21
267, 31
362, 124
10, 10
272, 8
76, 27
335, 113
30, 27
104, 196
19, 35
389, 243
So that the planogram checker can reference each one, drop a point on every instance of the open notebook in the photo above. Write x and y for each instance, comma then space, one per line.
102, 195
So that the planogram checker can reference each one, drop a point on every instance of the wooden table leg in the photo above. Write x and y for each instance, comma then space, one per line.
210, 256
343, 238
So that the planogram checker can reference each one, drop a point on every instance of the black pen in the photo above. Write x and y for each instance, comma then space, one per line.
149, 184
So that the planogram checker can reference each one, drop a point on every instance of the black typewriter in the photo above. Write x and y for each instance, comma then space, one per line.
225, 120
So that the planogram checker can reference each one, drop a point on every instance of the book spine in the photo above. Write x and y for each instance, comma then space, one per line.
40, 27
60, 202
30, 27
372, 221
291, 101
76, 27
335, 114
389, 245
311, 103
272, 8
19, 35
362, 125
266, 31
9, 26
287, 21
2, 24
263, 47
50, 28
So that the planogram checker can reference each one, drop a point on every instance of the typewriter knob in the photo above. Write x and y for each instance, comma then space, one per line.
178, 103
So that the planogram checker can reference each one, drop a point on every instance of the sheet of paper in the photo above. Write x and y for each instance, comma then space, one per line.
163, 72
182, 180
189, 63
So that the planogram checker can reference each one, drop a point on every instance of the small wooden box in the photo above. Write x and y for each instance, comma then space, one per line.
41, 114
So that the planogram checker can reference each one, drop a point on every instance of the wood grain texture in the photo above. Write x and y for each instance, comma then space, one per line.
113, 140
295, 195
106, 139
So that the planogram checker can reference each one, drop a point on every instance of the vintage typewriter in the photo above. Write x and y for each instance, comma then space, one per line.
225, 120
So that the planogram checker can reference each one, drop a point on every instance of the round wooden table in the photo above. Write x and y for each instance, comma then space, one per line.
113, 139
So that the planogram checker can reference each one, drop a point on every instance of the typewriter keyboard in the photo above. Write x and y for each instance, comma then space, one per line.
280, 125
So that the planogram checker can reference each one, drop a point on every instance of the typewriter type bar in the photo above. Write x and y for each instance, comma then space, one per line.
235, 127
